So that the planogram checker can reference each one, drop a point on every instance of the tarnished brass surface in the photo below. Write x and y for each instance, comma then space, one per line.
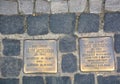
40, 56
96, 54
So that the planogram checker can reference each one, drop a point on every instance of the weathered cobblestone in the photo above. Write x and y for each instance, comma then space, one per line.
95, 6
11, 24
67, 44
9, 81
25, 6
58, 80
42, 6
117, 43
38, 25
59, 7
33, 80
112, 5
109, 80
8, 7
69, 63
88, 23
111, 22
77, 5
11, 47
84, 79
62, 23
11, 67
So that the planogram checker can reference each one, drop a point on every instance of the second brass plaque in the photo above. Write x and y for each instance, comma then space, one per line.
97, 54
40, 56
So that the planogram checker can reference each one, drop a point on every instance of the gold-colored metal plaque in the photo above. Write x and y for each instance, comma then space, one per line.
40, 56
97, 54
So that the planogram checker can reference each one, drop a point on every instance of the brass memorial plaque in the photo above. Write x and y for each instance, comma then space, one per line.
97, 54
40, 56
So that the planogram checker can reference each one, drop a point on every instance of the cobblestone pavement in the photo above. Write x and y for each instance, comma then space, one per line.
65, 21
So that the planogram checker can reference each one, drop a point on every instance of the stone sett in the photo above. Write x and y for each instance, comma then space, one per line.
9, 81
62, 23
77, 5
25, 6
59, 7
108, 80
11, 67
84, 79
42, 6
69, 63
117, 43
112, 5
111, 22
118, 64
58, 80
8, 7
38, 25
67, 44
11, 47
33, 80
88, 23
12, 24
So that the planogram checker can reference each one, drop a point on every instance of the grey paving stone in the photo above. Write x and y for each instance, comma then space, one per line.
118, 64
58, 80
108, 80
59, 7
42, 6
62, 23
38, 25
11, 47
112, 5
77, 5
25, 6
88, 23
11, 67
11, 24
67, 44
117, 43
95, 6
9, 81
84, 79
111, 22
33, 80
69, 63
8, 7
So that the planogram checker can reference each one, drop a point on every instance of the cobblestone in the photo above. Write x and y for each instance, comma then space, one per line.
58, 80
42, 6
11, 67
5, 5
109, 80
33, 80
77, 5
95, 6
69, 63
88, 23
111, 21
11, 47
118, 64
62, 23
37, 25
117, 43
9, 81
11, 24
67, 44
84, 79
25, 6
113, 5
59, 7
